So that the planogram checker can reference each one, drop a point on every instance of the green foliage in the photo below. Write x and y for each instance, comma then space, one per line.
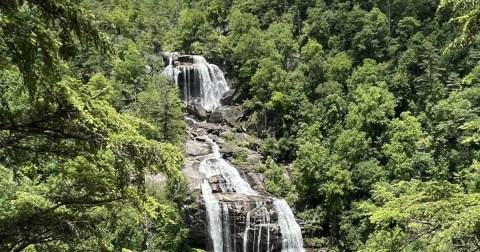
469, 14
371, 41
422, 216
160, 104
73, 167
276, 180
371, 108
381, 126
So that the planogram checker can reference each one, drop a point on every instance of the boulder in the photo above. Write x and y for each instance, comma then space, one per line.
209, 127
232, 97
238, 97
193, 148
216, 116
227, 97
201, 138
198, 111
184, 59
256, 182
230, 115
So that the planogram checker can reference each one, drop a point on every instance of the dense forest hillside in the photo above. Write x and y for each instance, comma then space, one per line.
369, 111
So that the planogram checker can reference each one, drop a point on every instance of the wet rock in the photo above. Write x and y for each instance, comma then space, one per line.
196, 220
261, 217
242, 202
217, 183
184, 59
198, 111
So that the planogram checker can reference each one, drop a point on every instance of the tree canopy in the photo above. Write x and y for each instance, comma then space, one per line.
369, 111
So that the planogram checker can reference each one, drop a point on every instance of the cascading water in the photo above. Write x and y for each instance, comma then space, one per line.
291, 233
199, 81
218, 215
205, 84
215, 165
261, 217
214, 216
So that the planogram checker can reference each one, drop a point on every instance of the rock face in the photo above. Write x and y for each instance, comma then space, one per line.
246, 220
232, 97
251, 226
231, 116
216, 117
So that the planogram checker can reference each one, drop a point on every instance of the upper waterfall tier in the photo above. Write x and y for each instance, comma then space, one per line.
199, 82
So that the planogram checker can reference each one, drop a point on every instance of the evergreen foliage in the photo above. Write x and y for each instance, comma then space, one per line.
369, 110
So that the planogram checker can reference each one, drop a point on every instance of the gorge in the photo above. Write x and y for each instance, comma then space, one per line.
235, 212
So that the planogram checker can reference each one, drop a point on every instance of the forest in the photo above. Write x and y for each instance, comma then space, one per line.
369, 112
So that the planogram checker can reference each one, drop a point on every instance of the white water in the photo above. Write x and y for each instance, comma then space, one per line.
215, 165
291, 234
226, 229
261, 217
214, 216
247, 229
208, 83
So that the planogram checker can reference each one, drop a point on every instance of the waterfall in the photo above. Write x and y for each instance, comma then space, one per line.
226, 229
291, 234
247, 229
199, 81
215, 165
261, 217
214, 216
204, 84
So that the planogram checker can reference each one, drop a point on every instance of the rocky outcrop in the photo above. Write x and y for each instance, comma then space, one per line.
210, 128
216, 117
231, 116
197, 111
227, 97
194, 148
249, 225
230, 151
232, 97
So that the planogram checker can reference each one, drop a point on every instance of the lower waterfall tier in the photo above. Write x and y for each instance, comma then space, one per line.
243, 224
234, 213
